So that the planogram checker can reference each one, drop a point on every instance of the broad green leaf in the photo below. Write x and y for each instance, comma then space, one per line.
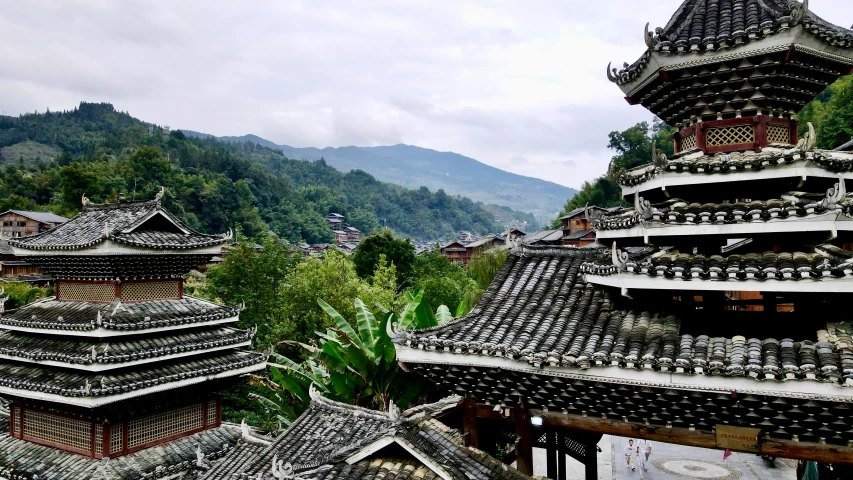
424, 317
385, 346
341, 323
367, 327
460, 309
442, 315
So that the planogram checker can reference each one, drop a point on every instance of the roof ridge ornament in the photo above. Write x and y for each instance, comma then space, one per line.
650, 39
658, 157
612, 74
620, 258
809, 140
281, 470
394, 413
798, 10
594, 218
160, 194
836, 194
643, 207
85, 201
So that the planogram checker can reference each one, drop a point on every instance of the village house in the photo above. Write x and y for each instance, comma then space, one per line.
577, 231
460, 252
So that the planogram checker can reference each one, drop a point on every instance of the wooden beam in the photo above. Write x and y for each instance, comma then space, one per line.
551, 453
488, 411
682, 436
469, 423
524, 444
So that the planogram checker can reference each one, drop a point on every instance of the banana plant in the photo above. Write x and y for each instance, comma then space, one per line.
352, 365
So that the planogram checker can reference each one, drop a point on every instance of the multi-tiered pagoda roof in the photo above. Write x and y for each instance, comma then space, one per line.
719, 299
120, 359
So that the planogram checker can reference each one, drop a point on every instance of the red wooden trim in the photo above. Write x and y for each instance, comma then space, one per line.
665, 75
92, 440
181, 288
848, 71
729, 122
795, 131
21, 414
730, 148
218, 412
790, 55
760, 132
700, 136
631, 101
118, 290
105, 449
204, 415
124, 439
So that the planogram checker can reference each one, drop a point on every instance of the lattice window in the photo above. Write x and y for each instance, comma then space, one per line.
16, 421
160, 426
688, 142
99, 439
116, 432
87, 292
60, 431
718, 137
577, 447
211, 412
778, 134
131, 292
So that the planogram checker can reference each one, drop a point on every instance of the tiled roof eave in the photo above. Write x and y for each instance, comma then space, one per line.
637, 376
795, 284
100, 366
771, 163
252, 362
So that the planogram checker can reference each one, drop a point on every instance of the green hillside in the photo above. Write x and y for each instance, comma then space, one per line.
212, 184
412, 167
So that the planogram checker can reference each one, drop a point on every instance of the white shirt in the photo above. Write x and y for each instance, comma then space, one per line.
645, 446
629, 450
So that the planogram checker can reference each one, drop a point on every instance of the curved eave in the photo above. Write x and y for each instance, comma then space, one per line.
831, 223
111, 247
666, 179
611, 374
795, 37
632, 281
103, 367
93, 402
110, 333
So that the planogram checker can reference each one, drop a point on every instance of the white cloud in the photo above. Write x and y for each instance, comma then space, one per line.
519, 85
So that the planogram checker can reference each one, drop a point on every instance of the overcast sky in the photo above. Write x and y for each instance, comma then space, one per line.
516, 84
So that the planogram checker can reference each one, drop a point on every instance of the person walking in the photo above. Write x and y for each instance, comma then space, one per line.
630, 450
644, 451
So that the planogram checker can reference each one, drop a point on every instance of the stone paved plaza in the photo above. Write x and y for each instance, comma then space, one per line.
670, 462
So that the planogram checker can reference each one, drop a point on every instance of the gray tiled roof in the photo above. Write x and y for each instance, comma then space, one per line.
122, 222
20, 459
43, 217
678, 212
318, 443
712, 25
774, 155
540, 311
72, 351
824, 261
53, 314
30, 378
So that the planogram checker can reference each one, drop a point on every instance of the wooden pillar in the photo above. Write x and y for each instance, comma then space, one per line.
524, 444
561, 456
700, 136
591, 461
552, 452
469, 423
760, 126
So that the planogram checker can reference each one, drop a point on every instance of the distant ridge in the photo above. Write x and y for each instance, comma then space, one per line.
413, 167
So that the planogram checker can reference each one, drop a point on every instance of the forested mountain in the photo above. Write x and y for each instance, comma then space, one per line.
414, 167
211, 184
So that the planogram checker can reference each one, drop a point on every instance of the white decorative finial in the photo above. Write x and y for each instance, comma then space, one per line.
648, 37
94, 353
313, 393
281, 470
389, 329
642, 206
809, 140
87, 387
99, 320
620, 258
85, 200
244, 429
394, 413
836, 194
160, 194
611, 75
230, 234
199, 456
